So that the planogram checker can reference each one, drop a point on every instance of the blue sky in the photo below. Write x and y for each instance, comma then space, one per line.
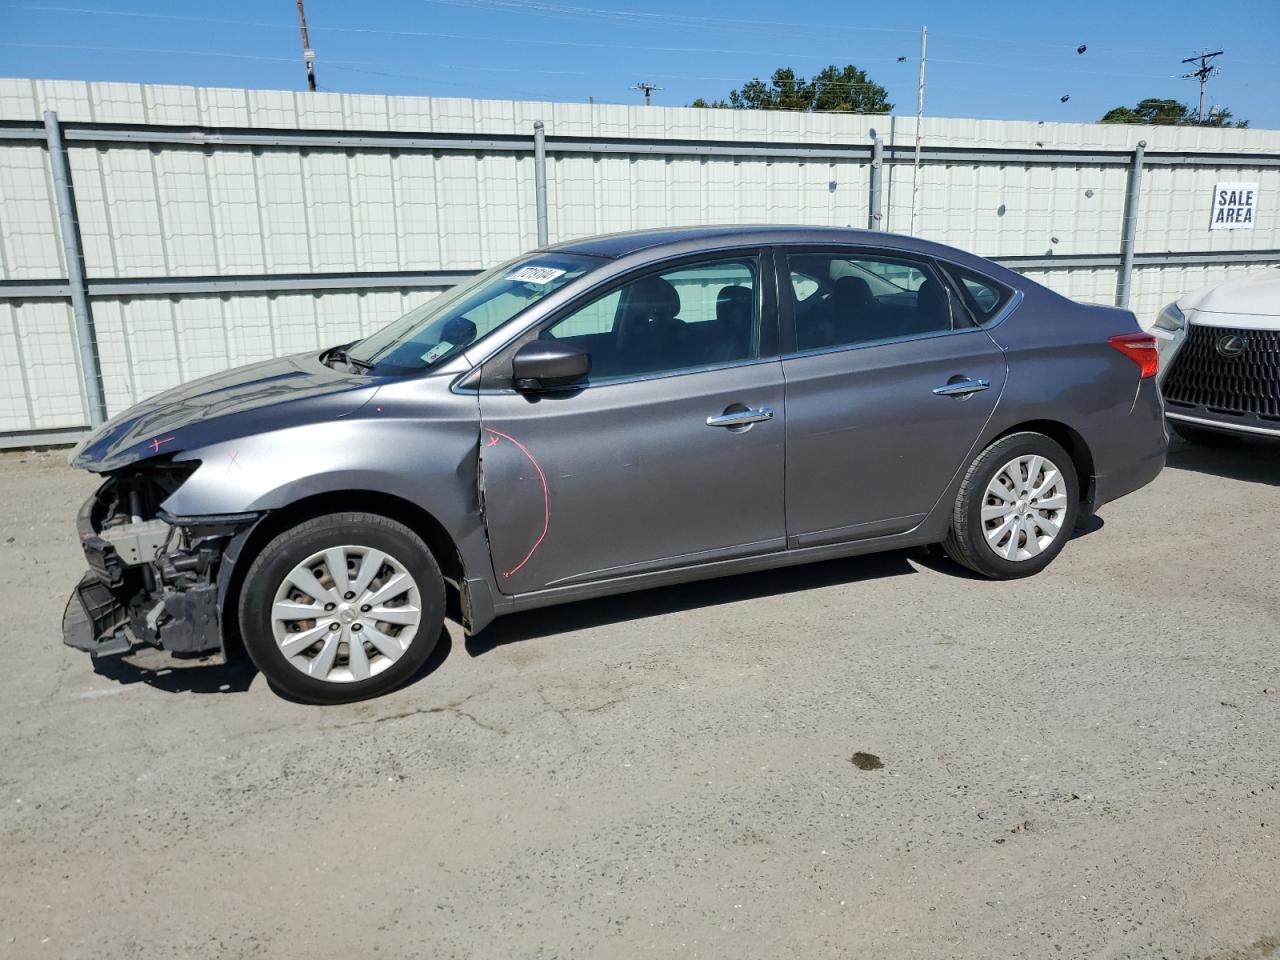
1003, 59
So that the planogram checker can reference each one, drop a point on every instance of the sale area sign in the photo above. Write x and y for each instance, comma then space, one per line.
1235, 206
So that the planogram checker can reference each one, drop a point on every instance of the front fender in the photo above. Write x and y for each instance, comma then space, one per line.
430, 462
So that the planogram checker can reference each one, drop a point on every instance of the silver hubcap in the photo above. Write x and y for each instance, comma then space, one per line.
1024, 507
346, 613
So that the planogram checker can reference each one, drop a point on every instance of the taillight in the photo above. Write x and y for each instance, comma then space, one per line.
1141, 349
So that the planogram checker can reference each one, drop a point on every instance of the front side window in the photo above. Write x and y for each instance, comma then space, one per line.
691, 316
843, 299
441, 328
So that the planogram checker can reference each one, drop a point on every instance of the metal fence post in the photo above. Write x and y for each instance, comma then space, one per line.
86, 339
874, 221
540, 179
1129, 232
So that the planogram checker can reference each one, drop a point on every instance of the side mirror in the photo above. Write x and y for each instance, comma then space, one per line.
544, 364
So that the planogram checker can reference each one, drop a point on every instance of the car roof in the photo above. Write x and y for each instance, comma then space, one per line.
680, 240
616, 245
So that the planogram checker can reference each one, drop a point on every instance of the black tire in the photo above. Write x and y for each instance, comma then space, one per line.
1204, 438
291, 548
966, 542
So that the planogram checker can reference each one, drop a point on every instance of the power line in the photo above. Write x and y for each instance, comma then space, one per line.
521, 91
484, 38
706, 23
354, 64
539, 7
96, 11
357, 66
164, 50
632, 17
377, 68
1056, 70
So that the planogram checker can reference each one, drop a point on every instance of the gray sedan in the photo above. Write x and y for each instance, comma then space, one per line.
607, 415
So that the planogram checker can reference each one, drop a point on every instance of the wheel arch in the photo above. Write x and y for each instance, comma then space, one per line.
433, 533
1070, 440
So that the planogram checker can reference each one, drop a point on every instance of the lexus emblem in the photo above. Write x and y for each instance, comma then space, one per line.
1231, 346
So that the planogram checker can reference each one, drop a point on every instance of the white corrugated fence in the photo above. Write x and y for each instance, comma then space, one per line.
223, 226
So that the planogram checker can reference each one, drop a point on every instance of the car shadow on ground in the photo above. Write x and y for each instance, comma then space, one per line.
586, 614
936, 559
1253, 461
157, 669
161, 671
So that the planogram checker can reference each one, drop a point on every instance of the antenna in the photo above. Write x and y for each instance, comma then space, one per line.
1202, 73
647, 89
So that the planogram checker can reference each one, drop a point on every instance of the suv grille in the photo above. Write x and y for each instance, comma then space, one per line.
1247, 384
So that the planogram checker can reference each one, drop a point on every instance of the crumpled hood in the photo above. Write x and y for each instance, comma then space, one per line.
256, 398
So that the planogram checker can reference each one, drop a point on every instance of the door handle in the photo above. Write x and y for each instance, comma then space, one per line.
961, 388
739, 418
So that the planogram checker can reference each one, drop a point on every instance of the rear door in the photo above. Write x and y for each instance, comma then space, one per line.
889, 385
670, 454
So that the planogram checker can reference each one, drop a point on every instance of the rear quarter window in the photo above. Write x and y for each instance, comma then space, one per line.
983, 296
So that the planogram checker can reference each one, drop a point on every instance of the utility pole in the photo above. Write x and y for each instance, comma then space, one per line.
1202, 73
915, 170
308, 55
647, 89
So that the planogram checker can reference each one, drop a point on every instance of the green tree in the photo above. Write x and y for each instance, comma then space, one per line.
1169, 113
832, 90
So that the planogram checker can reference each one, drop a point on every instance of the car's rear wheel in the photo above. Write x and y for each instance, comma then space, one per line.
1205, 438
1016, 507
342, 607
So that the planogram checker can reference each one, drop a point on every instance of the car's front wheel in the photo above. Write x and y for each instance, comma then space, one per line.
1016, 507
342, 607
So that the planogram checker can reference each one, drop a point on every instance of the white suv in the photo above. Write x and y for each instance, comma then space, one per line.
1220, 359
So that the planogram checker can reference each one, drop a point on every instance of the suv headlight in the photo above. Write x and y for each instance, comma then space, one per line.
1171, 319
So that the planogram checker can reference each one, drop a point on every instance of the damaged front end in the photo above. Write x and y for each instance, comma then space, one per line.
153, 578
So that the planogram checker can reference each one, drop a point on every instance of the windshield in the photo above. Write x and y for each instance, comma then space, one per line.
446, 325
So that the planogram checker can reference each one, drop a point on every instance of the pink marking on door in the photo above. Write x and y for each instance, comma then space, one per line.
495, 436
157, 441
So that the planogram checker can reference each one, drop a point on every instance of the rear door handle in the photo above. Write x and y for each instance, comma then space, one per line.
740, 417
961, 388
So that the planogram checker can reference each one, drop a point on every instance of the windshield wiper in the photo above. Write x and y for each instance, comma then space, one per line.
340, 353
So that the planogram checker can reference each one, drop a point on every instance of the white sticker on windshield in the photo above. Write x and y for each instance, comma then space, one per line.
436, 352
537, 275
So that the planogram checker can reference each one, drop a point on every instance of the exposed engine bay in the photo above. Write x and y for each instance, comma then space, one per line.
153, 578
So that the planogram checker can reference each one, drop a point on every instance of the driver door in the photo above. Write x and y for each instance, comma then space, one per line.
669, 454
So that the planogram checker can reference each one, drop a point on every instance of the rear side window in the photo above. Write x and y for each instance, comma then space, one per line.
983, 296
848, 298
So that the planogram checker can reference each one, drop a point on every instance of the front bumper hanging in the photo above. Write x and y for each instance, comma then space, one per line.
150, 582
103, 622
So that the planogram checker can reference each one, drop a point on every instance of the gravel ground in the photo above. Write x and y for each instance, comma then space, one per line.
878, 757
